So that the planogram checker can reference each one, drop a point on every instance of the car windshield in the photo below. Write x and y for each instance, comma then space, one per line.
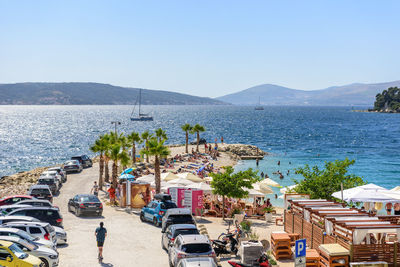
186, 232
71, 162
40, 191
181, 217
168, 205
46, 181
18, 252
196, 248
26, 236
89, 199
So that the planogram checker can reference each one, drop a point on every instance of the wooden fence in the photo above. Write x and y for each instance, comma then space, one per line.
315, 236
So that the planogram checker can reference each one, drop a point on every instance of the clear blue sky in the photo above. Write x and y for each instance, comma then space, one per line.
207, 48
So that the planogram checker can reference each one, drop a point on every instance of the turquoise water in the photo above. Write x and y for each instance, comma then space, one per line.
32, 136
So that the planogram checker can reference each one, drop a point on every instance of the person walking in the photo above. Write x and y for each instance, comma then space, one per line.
111, 192
101, 234
95, 189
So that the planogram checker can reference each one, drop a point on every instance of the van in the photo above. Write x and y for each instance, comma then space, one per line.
12, 256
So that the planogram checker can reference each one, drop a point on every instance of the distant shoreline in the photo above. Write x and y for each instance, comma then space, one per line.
374, 111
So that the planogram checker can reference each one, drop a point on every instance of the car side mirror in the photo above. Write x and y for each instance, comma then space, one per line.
9, 259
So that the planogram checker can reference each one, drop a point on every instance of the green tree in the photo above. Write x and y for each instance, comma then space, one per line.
100, 146
187, 128
117, 155
134, 138
230, 184
197, 128
158, 150
322, 183
145, 137
161, 135
108, 145
389, 98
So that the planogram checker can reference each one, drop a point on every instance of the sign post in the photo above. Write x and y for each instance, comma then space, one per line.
300, 253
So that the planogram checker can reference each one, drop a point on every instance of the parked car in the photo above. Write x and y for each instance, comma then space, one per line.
48, 256
41, 192
177, 216
85, 204
12, 256
155, 210
72, 166
177, 229
7, 219
6, 231
190, 246
197, 262
10, 200
61, 235
84, 160
44, 214
51, 182
52, 174
60, 171
201, 141
42, 230
36, 203
4, 210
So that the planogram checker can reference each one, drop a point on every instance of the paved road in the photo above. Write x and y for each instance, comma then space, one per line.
129, 242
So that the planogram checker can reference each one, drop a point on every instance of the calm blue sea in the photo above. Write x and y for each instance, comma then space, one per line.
32, 136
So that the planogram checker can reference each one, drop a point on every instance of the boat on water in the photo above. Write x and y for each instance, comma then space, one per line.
141, 116
259, 107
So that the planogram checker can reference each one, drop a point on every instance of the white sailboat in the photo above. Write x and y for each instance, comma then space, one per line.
259, 107
142, 116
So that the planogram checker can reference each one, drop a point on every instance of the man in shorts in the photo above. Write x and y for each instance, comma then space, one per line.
95, 189
100, 233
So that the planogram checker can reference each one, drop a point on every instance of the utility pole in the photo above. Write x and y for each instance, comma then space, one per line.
115, 125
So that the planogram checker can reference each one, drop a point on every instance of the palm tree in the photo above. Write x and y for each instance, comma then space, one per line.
123, 141
158, 150
161, 135
117, 155
145, 137
134, 138
100, 146
187, 128
107, 144
196, 130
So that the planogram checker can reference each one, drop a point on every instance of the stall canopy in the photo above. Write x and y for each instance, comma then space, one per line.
262, 189
368, 193
168, 176
200, 186
190, 176
147, 178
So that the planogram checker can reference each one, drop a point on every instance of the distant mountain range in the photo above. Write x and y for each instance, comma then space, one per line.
92, 94
356, 94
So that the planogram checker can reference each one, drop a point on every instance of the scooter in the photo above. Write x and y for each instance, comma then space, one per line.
261, 262
226, 246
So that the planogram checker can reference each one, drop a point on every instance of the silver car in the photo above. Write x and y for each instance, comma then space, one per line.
4, 210
197, 262
61, 235
5, 231
42, 230
48, 256
190, 246
174, 230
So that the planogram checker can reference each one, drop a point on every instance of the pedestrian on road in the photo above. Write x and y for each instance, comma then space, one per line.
100, 233
95, 189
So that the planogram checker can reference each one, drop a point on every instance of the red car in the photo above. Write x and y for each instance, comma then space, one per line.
10, 200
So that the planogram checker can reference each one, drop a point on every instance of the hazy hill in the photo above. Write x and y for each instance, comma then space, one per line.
352, 94
91, 94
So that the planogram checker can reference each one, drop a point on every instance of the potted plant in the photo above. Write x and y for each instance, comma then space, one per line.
271, 260
268, 213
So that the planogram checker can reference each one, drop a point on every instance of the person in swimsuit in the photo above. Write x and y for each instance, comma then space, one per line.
397, 209
388, 208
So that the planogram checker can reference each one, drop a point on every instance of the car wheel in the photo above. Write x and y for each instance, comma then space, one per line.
100, 214
155, 222
69, 208
170, 263
142, 216
46, 264
78, 212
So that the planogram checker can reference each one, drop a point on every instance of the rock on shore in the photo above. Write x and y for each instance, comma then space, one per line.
241, 151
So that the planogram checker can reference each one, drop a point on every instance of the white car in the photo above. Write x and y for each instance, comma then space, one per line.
48, 256
61, 235
190, 246
197, 262
47, 174
5, 231
43, 230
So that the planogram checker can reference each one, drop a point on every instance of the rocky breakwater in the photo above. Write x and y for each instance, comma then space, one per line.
242, 152
19, 183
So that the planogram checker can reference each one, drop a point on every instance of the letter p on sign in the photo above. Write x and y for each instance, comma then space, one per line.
300, 248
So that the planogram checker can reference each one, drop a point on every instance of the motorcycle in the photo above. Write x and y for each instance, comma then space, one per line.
227, 245
261, 262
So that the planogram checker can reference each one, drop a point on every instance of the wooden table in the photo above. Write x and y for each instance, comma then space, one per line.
312, 257
293, 238
333, 255
280, 244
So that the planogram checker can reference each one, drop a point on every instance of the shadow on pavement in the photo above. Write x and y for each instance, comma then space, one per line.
103, 264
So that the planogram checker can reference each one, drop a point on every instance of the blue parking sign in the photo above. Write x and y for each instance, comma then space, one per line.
300, 248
